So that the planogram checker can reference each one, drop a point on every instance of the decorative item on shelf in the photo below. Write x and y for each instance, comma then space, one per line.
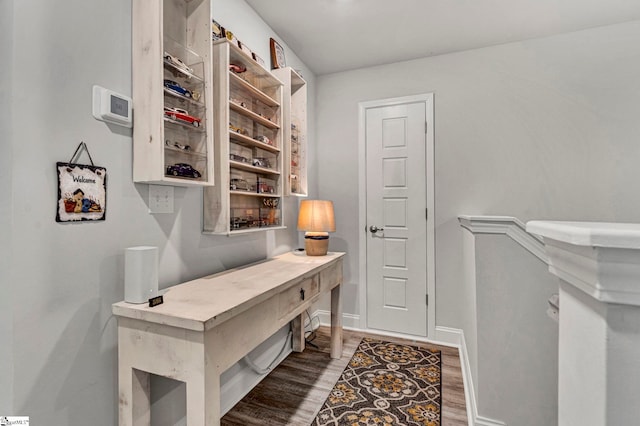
238, 130
271, 203
239, 158
176, 88
245, 49
261, 162
176, 144
259, 60
181, 115
238, 69
316, 218
237, 184
178, 63
217, 30
238, 102
277, 55
263, 139
183, 170
265, 188
232, 38
82, 189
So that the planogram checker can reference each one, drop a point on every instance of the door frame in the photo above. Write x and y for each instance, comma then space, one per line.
427, 98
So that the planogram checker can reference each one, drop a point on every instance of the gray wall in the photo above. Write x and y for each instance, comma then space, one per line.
6, 293
60, 280
546, 128
517, 347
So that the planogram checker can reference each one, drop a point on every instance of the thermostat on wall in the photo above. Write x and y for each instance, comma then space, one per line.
112, 107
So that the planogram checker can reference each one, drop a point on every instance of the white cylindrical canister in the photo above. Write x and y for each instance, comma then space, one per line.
140, 274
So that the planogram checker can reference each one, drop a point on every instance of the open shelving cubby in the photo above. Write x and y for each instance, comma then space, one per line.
172, 92
294, 134
248, 132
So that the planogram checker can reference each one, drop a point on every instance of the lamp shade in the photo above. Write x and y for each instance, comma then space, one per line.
316, 216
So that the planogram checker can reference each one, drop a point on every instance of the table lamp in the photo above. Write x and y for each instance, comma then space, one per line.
317, 220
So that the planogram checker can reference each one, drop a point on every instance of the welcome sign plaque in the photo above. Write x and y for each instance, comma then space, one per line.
82, 190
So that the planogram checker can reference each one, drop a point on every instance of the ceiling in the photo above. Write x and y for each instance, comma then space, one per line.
338, 35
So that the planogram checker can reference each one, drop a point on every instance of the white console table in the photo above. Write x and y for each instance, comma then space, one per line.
599, 327
206, 325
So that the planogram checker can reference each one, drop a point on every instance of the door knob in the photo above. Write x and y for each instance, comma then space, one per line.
375, 229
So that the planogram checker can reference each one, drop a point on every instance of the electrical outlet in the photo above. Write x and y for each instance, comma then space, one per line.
160, 199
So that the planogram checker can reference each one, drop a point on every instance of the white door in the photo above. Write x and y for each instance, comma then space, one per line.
397, 237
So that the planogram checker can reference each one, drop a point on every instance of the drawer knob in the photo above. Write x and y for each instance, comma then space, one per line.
302, 294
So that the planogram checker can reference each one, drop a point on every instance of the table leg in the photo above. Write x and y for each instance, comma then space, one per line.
135, 397
336, 322
298, 333
203, 398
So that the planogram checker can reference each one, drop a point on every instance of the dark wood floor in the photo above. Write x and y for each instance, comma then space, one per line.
294, 392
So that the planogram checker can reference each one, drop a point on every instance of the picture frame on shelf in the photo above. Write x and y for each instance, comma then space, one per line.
277, 55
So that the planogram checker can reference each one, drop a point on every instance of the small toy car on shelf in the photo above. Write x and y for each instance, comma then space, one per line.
180, 114
176, 88
264, 116
238, 102
239, 158
263, 139
183, 170
239, 185
261, 162
238, 222
238, 129
177, 62
178, 145
264, 188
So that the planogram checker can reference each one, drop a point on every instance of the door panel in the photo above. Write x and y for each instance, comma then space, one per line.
396, 202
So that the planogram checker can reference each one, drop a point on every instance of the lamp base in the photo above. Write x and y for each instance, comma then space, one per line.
316, 245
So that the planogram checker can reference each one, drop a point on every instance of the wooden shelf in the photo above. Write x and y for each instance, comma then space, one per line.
253, 91
249, 168
179, 97
252, 115
294, 112
254, 194
261, 94
184, 152
251, 143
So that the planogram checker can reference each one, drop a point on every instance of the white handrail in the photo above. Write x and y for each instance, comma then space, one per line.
508, 225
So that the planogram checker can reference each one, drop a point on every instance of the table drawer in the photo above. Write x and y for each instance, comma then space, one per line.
292, 298
331, 276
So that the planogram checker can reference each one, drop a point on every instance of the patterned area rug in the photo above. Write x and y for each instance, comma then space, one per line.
386, 384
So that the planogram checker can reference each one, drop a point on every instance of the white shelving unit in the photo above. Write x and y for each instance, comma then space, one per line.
294, 131
248, 132
171, 61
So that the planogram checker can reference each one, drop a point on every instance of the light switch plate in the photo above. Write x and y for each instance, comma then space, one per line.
160, 199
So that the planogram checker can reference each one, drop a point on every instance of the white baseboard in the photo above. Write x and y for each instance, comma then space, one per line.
455, 337
349, 321
452, 336
483, 421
